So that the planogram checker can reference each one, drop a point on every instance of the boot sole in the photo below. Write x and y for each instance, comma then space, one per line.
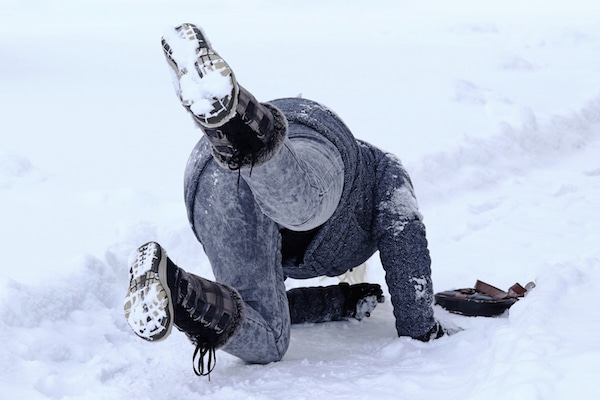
148, 306
207, 85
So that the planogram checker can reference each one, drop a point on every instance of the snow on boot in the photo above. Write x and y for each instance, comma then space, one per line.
203, 80
242, 131
148, 305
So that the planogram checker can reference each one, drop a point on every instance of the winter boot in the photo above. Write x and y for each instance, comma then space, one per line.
161, 295
242, 131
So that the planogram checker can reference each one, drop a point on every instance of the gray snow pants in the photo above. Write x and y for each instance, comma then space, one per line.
238, 222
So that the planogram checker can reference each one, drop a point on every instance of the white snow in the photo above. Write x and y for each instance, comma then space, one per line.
493, 107
401, 203
420, 284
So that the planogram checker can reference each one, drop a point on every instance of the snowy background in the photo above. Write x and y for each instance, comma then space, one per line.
494, 108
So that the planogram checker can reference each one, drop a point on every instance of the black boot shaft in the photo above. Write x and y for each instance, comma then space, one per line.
206, 311
251, 137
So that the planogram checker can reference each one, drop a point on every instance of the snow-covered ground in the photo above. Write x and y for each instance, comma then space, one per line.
494, 107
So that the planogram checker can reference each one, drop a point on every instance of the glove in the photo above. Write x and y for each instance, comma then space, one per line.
435, 332
361, 299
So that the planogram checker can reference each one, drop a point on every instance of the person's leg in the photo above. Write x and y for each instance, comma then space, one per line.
285, 183
243, 246
297, 183
301, 185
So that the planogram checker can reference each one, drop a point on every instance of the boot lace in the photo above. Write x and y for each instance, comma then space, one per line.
204, 359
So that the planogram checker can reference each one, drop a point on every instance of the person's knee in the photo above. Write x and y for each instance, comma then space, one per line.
274, 352
265, 358
257, 343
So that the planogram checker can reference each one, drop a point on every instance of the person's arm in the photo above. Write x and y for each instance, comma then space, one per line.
403, 251
406, 261
333, 303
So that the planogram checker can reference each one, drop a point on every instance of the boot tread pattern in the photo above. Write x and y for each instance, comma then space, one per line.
204, 81
147, 305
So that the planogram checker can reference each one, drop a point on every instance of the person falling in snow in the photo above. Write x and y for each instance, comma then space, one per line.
275, 190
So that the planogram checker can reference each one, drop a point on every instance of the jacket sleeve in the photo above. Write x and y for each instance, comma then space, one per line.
403, 250
318, 304
331, 303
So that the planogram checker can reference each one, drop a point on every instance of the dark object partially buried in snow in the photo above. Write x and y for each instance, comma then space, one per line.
484, 300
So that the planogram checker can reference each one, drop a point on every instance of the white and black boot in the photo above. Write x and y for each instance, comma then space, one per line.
161, 295
243, 132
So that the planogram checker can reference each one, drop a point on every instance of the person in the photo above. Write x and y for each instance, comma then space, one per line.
275, 190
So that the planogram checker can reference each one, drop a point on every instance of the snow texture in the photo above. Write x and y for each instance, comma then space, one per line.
494, 109
403, 204
420, 285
